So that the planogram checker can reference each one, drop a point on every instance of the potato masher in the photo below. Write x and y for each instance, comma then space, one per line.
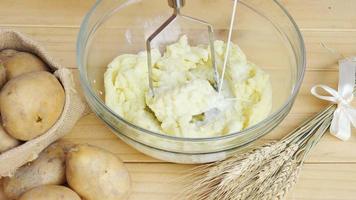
177, 5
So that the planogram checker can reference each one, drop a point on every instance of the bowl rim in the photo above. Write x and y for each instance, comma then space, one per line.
88, 90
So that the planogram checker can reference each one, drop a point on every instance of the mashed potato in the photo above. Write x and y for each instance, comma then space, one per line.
185, 103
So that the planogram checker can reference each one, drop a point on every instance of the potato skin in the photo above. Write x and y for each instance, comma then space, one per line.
96, 174
50, 192
6, 141
48, 168
22, 63
4, 56
30, 104
2, 75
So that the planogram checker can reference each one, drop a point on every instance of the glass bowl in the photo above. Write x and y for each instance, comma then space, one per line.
263, 29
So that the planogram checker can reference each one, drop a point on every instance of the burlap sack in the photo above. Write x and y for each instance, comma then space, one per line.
74, 107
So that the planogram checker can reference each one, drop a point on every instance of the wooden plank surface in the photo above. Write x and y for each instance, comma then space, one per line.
317, 181
310, 15
329, 30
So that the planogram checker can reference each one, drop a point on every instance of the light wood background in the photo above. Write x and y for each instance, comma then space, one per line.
330, 171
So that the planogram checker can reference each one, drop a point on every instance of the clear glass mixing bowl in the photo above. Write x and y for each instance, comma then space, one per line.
263, 29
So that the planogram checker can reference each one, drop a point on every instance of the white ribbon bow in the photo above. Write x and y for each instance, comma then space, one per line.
344, 115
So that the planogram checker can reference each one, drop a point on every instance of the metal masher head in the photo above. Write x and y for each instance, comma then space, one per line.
177, 5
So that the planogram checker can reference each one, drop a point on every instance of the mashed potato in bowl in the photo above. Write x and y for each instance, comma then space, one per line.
185, 103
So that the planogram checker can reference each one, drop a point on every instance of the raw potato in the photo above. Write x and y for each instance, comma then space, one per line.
50, 192
22, 63
48, 168
4, 56
30, 104
96, 174
6, 141
2, 75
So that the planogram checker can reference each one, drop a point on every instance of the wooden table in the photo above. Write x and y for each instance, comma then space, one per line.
330, 171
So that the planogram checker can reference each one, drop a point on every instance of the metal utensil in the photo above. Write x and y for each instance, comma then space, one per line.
177, 5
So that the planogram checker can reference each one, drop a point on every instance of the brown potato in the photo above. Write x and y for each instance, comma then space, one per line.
30, 104
6, 141
2, 75
96, 174
50, 192
22, 63
48, 168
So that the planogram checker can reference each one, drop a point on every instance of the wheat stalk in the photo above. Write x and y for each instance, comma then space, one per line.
266, 172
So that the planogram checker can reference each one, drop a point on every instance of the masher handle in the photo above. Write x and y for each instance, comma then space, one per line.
176, 4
